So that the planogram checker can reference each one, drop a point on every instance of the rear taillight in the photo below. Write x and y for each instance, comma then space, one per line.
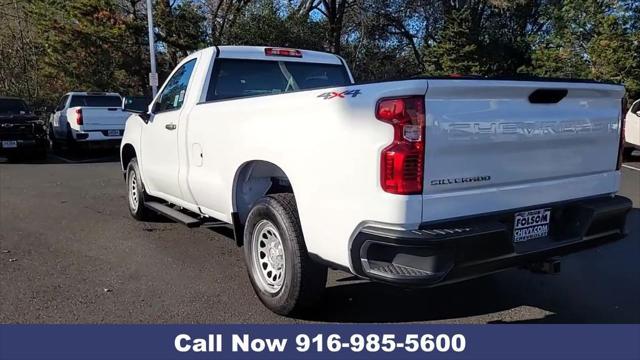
79, 119
621, 144
402, 162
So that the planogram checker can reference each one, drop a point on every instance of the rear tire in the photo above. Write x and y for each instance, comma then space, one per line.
55, 143
282, 274
72, 145
136, 194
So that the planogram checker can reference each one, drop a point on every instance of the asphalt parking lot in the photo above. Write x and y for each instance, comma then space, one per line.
70, 253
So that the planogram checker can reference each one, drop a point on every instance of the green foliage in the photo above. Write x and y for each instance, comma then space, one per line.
591, 39
263, 24
456, 50
180, 27
50, 47
87, 45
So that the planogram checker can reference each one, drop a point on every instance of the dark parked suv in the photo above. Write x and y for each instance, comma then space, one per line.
21, 131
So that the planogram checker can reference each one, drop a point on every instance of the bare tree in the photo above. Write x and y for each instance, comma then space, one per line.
18, 52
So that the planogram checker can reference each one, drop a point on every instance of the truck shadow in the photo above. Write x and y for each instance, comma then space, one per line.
67, 156
85, 155
595, 286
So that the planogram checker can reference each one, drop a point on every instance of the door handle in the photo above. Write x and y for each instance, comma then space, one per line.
171, 126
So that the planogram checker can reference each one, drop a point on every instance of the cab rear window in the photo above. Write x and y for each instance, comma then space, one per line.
95, 101
235, 78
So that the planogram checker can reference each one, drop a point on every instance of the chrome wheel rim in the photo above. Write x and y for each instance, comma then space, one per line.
268, 257
133, 191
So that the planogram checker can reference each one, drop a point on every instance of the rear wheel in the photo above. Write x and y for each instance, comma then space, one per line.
70, 142
55, 143
136, 194
282, 274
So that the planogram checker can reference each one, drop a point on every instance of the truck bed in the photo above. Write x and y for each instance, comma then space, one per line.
494, 144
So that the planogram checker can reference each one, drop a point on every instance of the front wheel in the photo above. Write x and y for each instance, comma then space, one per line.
282, 274
136, 195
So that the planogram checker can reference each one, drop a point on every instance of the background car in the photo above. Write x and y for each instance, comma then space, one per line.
632, 129
21, 131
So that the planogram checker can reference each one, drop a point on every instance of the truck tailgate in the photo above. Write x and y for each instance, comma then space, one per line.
493, 145
98, 118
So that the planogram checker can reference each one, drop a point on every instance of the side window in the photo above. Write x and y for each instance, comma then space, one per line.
635, 107
172, 95
62, 103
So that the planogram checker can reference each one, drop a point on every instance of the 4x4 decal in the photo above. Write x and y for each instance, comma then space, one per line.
340, 95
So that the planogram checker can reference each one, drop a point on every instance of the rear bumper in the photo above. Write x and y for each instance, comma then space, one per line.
456, 250
98, 136
24, 145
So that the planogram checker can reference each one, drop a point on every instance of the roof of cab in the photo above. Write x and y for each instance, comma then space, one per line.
258, 53
93, 93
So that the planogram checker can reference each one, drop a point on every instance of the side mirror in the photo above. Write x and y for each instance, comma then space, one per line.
137, 105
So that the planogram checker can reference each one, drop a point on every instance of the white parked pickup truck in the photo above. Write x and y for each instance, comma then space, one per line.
415, 183
88, 117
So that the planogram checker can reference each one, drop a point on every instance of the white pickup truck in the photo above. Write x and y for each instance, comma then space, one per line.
88, 117
415, 183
